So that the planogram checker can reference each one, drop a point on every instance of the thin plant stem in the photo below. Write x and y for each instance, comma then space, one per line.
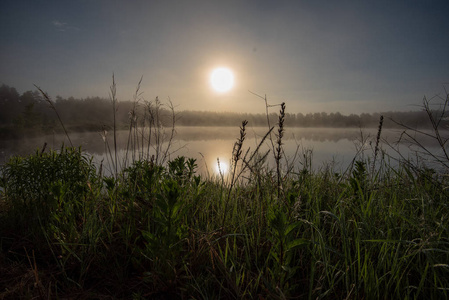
47, 98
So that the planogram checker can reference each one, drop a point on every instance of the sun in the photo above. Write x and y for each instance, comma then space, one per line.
222, 79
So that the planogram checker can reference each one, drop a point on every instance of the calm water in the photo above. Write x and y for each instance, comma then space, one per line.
328, 146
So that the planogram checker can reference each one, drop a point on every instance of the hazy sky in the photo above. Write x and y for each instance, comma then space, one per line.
347, 56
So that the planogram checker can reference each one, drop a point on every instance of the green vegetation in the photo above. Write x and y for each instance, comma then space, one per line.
157, 229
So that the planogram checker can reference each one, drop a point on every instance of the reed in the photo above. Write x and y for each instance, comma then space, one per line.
50, 103
236, 156
278, 153
113, 98
376, 148
133, 134
437, 117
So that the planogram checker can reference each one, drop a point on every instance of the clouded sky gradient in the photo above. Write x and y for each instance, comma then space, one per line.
347, 56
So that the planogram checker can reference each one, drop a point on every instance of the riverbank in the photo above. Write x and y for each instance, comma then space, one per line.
162, 231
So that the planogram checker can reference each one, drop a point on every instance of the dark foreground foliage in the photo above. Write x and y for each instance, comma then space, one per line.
156, 229
164, 232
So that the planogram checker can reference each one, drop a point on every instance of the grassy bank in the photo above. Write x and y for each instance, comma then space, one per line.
156, 229
163, 232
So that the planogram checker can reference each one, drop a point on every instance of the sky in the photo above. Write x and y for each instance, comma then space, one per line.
332, 56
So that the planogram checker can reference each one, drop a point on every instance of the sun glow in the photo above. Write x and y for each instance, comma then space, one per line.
222, 79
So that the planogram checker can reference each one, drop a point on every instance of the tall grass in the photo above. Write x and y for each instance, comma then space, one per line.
52, 106
158, 230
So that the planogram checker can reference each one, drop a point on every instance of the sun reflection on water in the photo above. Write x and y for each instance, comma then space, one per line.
221, 166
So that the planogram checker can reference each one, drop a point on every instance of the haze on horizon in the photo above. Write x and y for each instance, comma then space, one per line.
346, 56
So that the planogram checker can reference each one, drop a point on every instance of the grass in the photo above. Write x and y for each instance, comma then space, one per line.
158, 230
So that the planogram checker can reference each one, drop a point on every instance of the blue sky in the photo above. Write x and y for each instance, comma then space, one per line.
346, 56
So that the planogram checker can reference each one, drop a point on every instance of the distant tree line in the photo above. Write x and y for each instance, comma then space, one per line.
31, 114
418, 119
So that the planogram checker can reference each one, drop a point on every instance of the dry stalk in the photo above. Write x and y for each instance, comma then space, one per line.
47, 98
278, 153
376, 148
236, 155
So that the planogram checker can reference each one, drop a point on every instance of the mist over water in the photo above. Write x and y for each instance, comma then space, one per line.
335, 147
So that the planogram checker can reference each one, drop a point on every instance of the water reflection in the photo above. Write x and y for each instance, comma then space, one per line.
221, 167
206, 144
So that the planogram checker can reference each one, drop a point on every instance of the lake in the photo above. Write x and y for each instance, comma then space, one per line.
325, 146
